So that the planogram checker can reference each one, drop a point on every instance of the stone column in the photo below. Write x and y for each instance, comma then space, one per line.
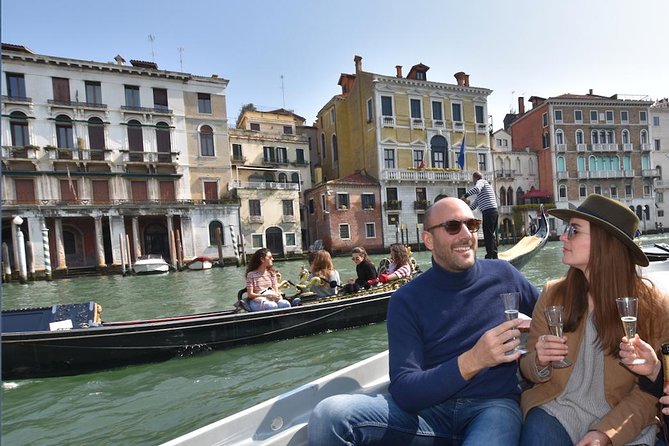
60, 246
135, 237
171, 240
99, 243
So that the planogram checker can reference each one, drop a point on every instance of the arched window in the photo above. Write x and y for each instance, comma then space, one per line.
582, 191
269, 177
580, 163
519, 196
627, 162
507, 164
283, 178
64, 132
559, 137
518, 166
594, 137
560, 164
562, 191
323, 146
163, 142
626, 136
206, 141
509, 196
533, 168
18, 124
644, 137
215, 226
295, 178
579, 136
96, 138
335, 149
502, 196
135, 140
439, 146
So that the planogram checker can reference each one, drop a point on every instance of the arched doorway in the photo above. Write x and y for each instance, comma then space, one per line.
274, 239
155, 240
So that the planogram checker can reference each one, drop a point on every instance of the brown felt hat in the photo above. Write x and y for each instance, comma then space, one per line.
612, 216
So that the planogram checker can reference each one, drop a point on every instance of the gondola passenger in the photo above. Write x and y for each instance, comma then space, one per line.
262, 291
365, 270
400, 264
323, 268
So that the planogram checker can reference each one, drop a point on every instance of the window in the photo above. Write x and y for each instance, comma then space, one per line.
295, 178
657, 144
335, 149
237, 152
204, 103
256, 240
287, 130
628, 191
624, 116
562, 192
216, 233
268, 154
614, 191
386, 105
323, 146
333, 116
478, 111
312, 207
593, 116
415, 109
135, 140
343, 201
206, 141
626, 136
323, 206
283, 178
61, 89
609, 116
502, 142
290, 239
483, 165
25, 190
368, 201
96, 136
299, 153
210, 191
391, 193
558, 116
582, 191
160, 99
281, 155
544, 119
418, 159
254, 208
437, 112
18, 125
64, 132
389, 158
457, 112
163, 142
578, 116
93, 92
132, 96
643, 117
254, 126
344, 231
559, 137
598, 190
370, 230
16, 85
656, 121
579, 136
370, 111
287, 207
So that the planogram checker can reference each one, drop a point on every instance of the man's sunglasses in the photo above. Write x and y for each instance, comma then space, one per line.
455, 226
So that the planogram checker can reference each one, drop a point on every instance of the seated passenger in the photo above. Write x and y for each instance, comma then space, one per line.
400, 265
322, 267
365, 269
262, 291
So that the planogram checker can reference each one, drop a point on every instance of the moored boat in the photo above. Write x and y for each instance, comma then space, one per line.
199, 263
150, 264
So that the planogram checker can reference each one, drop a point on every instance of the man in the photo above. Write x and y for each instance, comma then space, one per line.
451, 379
487, 203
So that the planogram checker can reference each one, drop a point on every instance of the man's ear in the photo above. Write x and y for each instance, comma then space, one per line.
427, 239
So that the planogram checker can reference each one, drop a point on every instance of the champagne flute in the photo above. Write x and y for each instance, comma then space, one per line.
511, 305
554, 314
627, 308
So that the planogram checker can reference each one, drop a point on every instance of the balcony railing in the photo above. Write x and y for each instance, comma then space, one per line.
438, 124
481, 128
237, 159
441, 176
421, 204
659, 184
628, 147
15, 99
287, 219
563, 175
20, 152
417, 123
259, 185
155, 110
561, 147
128, 156
650, 173
581, 147
645, 147
76, 104
256, 219
388, 121
458, 126
393, 205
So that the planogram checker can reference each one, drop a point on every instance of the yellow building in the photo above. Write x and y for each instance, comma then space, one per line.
405, 131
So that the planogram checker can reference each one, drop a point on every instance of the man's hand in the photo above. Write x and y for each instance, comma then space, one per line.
490, 350
594, 438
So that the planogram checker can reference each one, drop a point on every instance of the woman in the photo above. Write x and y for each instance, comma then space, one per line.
364, 268
597, 400
322, 267
400, 265
262, 291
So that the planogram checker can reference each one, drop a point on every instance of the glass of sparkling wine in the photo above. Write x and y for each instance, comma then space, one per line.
554, 318
627, 308
511, 305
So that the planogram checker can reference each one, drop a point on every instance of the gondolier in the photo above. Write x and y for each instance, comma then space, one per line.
486, 202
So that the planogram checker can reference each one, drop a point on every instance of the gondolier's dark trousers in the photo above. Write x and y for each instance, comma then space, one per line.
490, 222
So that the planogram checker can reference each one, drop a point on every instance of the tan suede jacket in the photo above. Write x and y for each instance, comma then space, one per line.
632, 409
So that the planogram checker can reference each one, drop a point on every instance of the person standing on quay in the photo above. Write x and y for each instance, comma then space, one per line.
486, 202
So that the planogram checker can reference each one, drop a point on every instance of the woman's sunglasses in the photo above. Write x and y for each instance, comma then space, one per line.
571, 230
455, 226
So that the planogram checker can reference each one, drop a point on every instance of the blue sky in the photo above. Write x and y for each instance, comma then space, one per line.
513, 47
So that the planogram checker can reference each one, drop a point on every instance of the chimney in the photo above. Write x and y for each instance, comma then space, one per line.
119, 60
521, 105
460, 77
358, 63
590, 92
399, 70
466, 80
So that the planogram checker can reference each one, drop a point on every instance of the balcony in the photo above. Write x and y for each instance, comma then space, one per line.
158, 110
659, 184
438, 124
650, 173
458, 126
421, 205
645, 147
563, 175
76, 104
502, 174
130, 156
274, 162
392, 205
581, 147
432, 175
561, 147
261, 185
287, 219
20, 152
342, 207
387, 121
237, 159
16, 99
256, 219
417, 123
481, 128
628, 147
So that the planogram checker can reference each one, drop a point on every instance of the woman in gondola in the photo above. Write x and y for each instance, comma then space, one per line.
400, 264
262, 291
323, 268
365, 270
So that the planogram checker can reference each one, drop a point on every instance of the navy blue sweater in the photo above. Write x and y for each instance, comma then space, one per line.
438, 316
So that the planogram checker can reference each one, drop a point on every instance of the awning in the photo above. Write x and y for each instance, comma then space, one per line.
535, 193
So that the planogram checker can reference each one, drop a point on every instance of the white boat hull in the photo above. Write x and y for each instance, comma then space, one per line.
200, 264
150, 265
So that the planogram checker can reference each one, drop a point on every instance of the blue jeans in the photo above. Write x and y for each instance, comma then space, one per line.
540, 428
377, 419
262, 305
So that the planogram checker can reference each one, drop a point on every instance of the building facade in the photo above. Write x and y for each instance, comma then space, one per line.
591, 144
406, 132
270, 174
659, 116
111, 161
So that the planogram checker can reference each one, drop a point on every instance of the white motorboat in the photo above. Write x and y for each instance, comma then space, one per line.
150, 264
282, 420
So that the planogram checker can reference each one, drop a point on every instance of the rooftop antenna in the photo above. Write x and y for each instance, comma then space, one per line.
283, 92
152, 39
181, 61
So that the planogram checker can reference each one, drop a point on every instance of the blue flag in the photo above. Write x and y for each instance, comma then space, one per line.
461, 156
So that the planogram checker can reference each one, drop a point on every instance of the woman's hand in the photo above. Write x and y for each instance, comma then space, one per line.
550, 348
630, 351
594, 438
